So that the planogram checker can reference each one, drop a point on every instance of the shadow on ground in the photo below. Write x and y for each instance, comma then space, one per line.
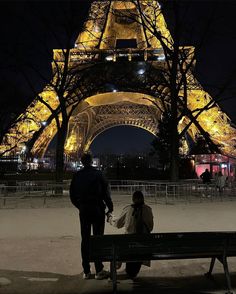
24, 282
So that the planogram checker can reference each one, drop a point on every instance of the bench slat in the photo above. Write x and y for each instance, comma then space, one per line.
163, 245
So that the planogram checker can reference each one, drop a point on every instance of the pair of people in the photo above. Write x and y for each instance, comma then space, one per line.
89, 192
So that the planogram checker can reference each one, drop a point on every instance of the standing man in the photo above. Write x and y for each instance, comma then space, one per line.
206, 180
89, 192
206, 177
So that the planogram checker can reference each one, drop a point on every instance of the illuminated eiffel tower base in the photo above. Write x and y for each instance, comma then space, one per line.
109, 37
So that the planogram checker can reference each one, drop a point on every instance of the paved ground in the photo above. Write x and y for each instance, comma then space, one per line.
40, 251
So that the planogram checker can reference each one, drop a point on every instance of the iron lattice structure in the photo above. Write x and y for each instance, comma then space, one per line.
138, 100
94, 120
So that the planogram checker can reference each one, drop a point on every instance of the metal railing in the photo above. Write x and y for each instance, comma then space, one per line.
111, 55
42, 193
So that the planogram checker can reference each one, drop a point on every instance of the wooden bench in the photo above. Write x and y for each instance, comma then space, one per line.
161, 246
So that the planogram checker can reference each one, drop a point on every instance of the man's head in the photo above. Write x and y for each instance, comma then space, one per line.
138, 197
86, 159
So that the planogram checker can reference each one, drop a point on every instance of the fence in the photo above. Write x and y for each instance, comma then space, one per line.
169, 192
42, 193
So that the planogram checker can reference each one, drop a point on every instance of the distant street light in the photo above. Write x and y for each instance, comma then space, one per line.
141, 71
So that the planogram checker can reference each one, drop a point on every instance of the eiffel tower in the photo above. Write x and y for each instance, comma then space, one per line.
110, 36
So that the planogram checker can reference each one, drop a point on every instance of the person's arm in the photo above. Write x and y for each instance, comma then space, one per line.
106, 194
120, 221
73, 195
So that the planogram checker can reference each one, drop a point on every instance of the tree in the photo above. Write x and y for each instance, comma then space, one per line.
172, 90
65, 79
161, 144
167, 80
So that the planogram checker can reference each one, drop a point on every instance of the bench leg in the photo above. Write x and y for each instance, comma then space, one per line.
113, 275
223, 260
208, 274
227, 275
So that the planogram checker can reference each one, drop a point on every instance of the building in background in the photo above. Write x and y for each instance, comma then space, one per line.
215, 163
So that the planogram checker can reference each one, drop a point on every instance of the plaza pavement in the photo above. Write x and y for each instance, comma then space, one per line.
40, 251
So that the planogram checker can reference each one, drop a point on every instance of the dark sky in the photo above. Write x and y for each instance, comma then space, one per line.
123, 140
28, 29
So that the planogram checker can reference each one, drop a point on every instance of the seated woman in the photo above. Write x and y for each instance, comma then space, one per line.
136, 218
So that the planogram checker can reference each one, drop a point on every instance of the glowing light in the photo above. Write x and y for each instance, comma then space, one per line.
96, 29
109, 58
141, 71
114, 90
24, 149
161, 57
44, 123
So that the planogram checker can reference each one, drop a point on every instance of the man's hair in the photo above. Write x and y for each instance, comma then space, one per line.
138, 197
86, 159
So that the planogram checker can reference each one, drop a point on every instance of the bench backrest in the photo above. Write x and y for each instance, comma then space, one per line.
162, 246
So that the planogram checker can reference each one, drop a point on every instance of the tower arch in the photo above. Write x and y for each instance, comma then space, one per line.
108, 110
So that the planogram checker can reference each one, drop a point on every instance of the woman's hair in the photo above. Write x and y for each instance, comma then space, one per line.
138, 197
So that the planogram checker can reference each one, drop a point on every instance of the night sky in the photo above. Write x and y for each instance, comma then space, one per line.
28, 27
123, 140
